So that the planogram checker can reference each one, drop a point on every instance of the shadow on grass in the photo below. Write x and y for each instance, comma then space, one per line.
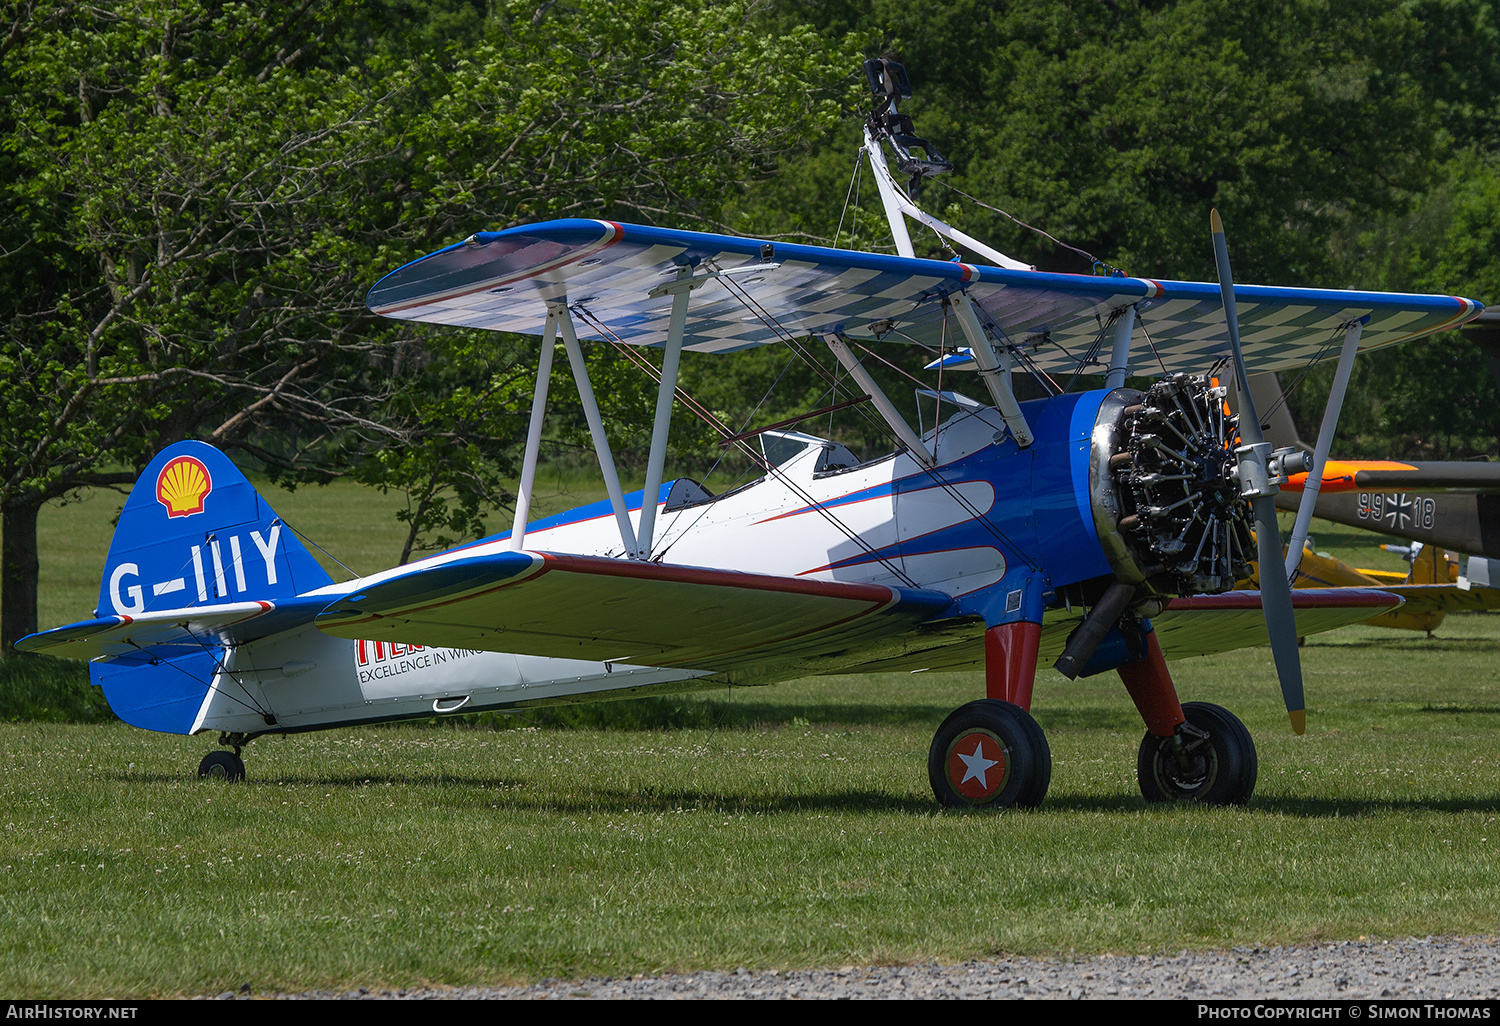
1404, 642
669, 714
527, 794
1345, 808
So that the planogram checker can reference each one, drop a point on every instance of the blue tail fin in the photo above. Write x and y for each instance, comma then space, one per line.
193, 533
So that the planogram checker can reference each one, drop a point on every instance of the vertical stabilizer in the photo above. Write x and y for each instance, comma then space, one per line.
194, 533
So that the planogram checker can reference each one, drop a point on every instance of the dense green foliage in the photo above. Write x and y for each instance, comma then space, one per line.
198, 194
1347, 143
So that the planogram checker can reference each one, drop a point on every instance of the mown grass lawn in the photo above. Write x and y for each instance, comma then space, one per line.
788, 826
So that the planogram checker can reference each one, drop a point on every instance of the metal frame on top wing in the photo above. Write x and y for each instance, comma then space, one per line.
995, 370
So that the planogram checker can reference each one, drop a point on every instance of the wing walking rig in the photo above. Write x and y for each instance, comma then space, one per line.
1098, 530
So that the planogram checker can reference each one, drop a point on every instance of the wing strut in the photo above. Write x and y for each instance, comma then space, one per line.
1325, 441
898, 206
596, 428
882, 403
534, 432
996, 376
1119, 355
667, 391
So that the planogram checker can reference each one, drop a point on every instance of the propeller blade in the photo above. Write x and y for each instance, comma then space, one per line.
1276, 605
1275, 592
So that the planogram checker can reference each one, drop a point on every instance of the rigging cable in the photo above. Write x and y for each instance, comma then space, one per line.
854, 182
1094, 262
879, 423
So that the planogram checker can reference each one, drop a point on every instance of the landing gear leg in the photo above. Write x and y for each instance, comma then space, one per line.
991, 754
222, 765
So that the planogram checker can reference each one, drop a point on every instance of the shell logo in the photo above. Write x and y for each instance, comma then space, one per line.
182, 486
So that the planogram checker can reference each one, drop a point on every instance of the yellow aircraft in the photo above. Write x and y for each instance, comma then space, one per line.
1431, 589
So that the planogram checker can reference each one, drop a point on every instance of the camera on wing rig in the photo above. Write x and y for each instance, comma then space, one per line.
915, 156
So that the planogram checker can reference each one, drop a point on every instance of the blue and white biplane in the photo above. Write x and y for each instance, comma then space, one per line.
1098, 530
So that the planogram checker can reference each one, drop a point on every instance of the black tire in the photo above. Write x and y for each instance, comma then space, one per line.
222, 765
1221, 770
1011, 763
1041, 775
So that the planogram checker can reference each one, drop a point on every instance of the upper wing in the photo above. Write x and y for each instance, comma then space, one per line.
753, 293
646, 614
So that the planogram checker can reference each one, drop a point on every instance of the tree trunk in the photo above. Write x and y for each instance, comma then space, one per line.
18, 575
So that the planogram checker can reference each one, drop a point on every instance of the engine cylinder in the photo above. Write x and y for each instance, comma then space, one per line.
1165, 503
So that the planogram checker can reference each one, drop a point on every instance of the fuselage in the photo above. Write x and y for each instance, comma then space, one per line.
986, 514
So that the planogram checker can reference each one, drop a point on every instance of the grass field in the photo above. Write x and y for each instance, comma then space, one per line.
789, 826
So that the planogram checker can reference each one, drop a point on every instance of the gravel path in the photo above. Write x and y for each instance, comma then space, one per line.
1431, 969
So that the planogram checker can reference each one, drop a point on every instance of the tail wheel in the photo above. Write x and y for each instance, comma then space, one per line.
1214, 763
222, 765
989, 755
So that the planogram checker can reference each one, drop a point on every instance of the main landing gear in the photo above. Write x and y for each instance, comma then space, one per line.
1210, 759
991, 754
222, 765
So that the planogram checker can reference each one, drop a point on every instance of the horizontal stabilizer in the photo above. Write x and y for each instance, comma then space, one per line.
189, 628
628, 612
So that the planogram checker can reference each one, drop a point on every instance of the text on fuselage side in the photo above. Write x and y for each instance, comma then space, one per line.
379, 659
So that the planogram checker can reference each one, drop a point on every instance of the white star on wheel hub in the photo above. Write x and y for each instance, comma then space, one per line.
976, 764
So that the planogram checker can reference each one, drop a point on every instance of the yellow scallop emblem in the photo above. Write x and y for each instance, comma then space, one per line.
182, 486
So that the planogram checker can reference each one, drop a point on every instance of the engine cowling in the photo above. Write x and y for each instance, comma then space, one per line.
1166, 504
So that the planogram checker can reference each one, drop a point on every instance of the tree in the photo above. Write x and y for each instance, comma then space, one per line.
199, 193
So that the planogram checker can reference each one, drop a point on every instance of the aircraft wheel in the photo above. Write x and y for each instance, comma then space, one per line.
222, 765
1217, 770
989, 755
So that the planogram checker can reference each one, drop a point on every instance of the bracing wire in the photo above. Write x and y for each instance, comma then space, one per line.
1094, 262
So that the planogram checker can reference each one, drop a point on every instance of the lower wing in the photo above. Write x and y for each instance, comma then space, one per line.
643, 614
587, 607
